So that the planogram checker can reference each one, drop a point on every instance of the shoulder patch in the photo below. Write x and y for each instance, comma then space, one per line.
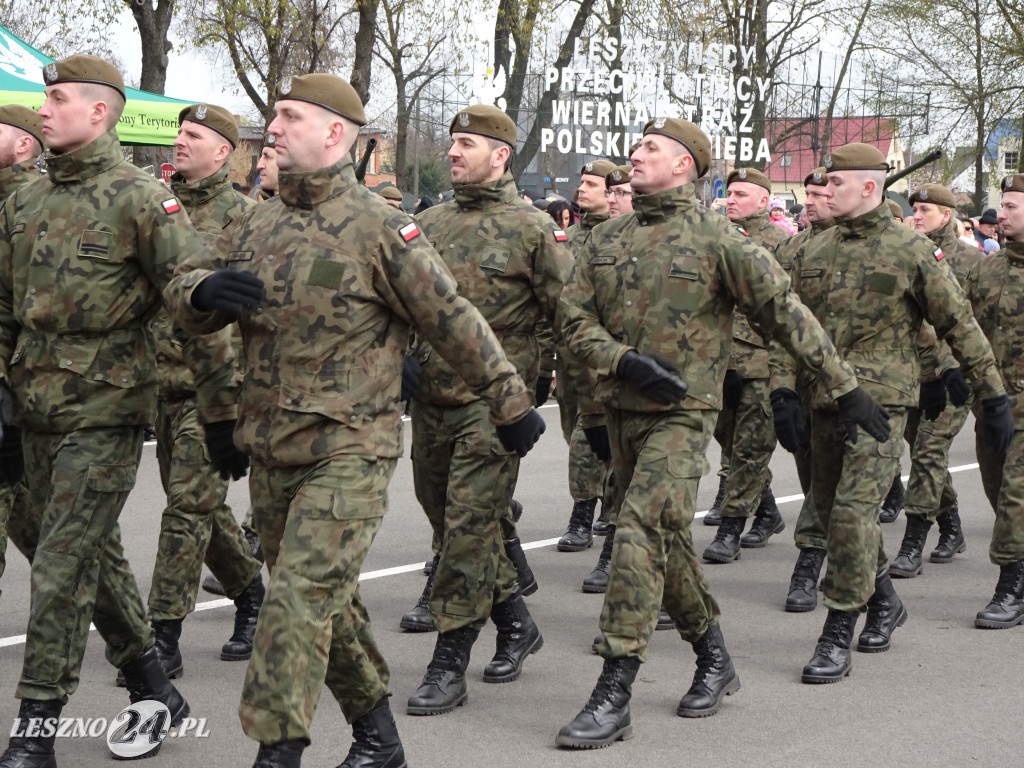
742, 231
938, 254
409, 231
560, 236
171, 206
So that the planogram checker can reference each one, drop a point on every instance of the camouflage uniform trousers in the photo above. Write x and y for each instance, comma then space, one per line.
930, 491
196, 523
17, 526
753, 443
316, 523
725, 430
77, 483
850, 481
811, 531
586, 471
464, 478
1003, 480
659, 459
7, 493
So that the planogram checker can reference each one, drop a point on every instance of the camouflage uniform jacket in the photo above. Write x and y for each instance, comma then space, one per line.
995, 288
749, 351
211, 203
507, 261
346, 275
579, 232
83, 259
664, 280
872, 283
12, 177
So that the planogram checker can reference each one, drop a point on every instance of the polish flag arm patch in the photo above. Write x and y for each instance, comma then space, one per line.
938, 254
409, 231
171, 206
560, 236
742, 231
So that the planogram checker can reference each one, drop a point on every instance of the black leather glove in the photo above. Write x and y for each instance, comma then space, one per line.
997, 423
732, 389
411, 370
788, 417
957, 386
543, 390
520, 436
655, 380
12, 461
224, 456
597, 439
932, 399
858, 408
229, 292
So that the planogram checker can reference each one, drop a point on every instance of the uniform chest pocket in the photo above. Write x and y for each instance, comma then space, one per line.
883, 283
98, 244
685, 268
325, 273
495, 259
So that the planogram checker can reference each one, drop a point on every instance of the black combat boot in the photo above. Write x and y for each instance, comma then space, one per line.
145, 679
605, 718
597, 581
908, 562
212, 585
803, 586
579, 535
664, 620
418, 619
714, 515
831, 661
166, 633
885, 612
1006, 609
525, 579
714, 678
283, 754
518, 637
601, 525
951, 538
33, 751
444, 686
247, 610
517, 510
726, 545
375, 742
893, 504
767, 522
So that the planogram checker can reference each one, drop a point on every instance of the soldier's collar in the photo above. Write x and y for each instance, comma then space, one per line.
876, 219
660, 205
590, 220
15, 175
306, 190
944, 236
822, 224
198, 192
753, 223
85, 162
1014, 252
477, 196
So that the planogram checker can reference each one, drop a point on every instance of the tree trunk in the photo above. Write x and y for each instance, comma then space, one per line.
153, 24
363, 59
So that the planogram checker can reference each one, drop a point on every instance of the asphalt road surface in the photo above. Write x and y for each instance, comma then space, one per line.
946, 693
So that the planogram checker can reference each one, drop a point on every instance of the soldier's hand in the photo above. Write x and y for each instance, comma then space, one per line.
543, 390
957, 386
228, 292
655, 380
411, 370
732, 389
520, 436
788, 417
224, 456
597, 439
932, 399
6, 408
997, 423
12, 461
858, 408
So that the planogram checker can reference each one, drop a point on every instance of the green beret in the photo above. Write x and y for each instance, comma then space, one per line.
217, 118
24, 118
618, 175
391, 193
597, 168
818, 178
895, 208
1013, 183
270, 140
750, 175
485, 120
327, 91
687, 134
933, 193
83, 68
856, 157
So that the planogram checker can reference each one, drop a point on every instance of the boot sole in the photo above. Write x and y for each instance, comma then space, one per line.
234, 656
823, 680
761, 544
593, 589
567, 741
714, 522
719, 559
410, 626
411, 710
512, 676
938, 559
991, 624
574, 547
792, 608
730, 689
901, 574
882, 648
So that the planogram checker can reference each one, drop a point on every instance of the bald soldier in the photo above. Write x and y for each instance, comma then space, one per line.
650, 308
744, 428
326, 281
871, 283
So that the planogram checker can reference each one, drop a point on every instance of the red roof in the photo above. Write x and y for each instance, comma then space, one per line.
797, 142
